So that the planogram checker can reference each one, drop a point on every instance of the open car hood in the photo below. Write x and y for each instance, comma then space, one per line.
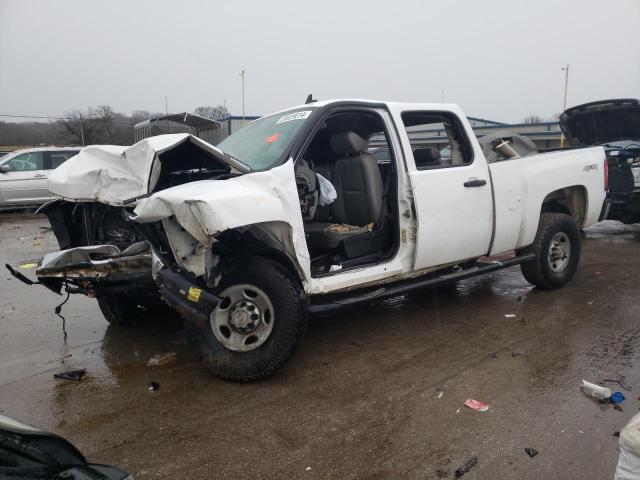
601, 122
113, 174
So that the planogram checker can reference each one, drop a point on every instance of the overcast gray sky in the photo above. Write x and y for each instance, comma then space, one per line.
498, 59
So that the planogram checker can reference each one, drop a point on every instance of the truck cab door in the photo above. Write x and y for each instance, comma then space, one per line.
25, 179
451, 187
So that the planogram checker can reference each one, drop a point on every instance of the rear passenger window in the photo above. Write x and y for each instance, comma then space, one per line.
437, 140
58, 158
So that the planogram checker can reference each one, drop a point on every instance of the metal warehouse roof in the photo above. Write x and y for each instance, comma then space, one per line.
185, 118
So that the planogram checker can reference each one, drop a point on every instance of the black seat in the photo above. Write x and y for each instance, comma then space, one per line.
358, 207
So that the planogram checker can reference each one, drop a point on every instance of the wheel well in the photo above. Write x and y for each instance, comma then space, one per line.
235, 246
569, 200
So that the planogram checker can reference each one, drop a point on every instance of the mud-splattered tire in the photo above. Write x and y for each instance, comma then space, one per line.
123, 310
557, 249
275, 292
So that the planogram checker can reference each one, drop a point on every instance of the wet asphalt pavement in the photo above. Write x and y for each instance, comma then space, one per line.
373, 393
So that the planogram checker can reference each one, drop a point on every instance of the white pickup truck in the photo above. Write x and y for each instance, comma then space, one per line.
294, 214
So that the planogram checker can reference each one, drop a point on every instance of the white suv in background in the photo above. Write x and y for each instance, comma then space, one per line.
23, 174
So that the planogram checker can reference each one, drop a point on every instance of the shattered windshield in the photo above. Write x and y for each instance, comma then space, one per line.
260, 144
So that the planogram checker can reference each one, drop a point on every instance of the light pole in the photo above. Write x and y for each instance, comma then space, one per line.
242, 75
166, 107
564, 105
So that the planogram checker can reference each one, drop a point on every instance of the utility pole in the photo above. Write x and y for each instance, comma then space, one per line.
564, 105
242, 75
166, 107
81, 131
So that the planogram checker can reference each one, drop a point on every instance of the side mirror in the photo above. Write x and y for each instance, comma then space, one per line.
5, 168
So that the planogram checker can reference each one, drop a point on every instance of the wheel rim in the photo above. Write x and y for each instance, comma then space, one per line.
559, 252
243, 320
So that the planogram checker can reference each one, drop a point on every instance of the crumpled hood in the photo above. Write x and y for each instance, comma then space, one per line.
111, 174
601, 122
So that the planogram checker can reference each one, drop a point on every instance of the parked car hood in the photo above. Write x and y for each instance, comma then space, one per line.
601, 122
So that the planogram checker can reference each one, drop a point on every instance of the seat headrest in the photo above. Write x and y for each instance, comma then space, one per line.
426, 157
348, 143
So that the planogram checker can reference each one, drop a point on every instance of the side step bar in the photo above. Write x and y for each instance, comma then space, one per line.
398, 288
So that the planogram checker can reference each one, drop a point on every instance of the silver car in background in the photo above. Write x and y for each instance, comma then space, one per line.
23, 174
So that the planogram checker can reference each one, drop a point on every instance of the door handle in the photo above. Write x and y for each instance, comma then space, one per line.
475, 183
39, 175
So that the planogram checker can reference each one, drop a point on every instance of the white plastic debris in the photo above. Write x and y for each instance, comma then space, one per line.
335, 268
328, 192
596, 391
629, 460
510, 315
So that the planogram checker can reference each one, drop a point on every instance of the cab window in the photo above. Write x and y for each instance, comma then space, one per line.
27, 162
437, 140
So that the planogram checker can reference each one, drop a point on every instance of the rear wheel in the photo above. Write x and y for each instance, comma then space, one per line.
257, 325
557, 249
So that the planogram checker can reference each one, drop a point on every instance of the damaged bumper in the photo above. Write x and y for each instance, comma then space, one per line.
96, 270
185, 297
103, 270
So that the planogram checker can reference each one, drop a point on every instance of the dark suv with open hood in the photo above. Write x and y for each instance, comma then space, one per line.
614, 124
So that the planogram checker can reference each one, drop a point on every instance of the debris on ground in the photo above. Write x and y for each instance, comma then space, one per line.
153, 386
510, 315
440, 393
44, 227
308, 468
532, 452
596, 391
162, 359
493, 355
476, 405
516, 354
616, 397
461, 470
618, 407
616, 434
75, 375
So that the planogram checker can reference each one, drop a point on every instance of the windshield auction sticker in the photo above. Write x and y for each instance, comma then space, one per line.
294, 116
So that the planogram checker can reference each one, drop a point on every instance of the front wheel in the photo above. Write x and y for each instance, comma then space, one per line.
557, 249
257, 325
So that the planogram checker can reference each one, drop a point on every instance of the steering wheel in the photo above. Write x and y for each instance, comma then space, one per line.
307, 184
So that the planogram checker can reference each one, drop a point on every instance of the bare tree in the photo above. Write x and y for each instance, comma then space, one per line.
78, 128
532, 119
104, 116
212, 113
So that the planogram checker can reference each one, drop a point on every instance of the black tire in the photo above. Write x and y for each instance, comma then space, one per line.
125, 310
289, 324
544, 272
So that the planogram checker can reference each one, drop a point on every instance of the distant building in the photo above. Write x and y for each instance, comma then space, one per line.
208, 130
212, 131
